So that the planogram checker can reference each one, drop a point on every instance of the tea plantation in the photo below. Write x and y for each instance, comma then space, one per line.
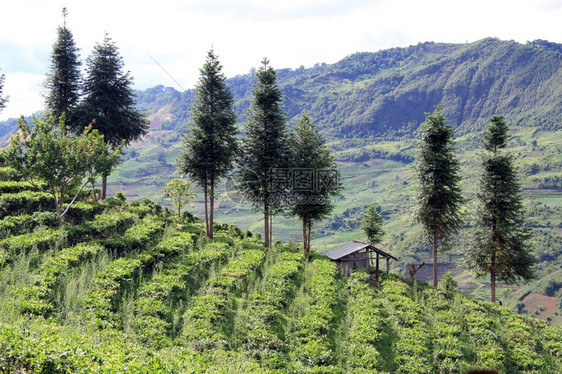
126, 287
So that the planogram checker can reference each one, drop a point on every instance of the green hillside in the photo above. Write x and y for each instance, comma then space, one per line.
369, 106
124, 287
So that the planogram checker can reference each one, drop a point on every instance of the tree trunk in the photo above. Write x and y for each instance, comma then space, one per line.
304, 236
435, 261
493, 280
103, 186
206, 209
212, 208
308, 234
270, 229
266, 225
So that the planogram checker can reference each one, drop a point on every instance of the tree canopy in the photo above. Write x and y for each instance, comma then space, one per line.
314, 177
3, 99
265, 146
49, 158
108, 100
501, 245
371, 224
438, 195
63, 79
208, 151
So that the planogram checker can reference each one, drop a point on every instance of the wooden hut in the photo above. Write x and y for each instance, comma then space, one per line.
358, 255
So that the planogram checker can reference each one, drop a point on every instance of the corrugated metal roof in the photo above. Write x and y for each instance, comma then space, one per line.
345, 250
352, 247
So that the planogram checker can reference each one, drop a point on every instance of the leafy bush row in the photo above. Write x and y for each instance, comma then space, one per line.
38, 297
8, 173
41, 240
266, 308
451, 351
17, 225
203, 319
310, 328
11, 186
109, 224
511, 343
366, 323
144, 234
154, 307
50, 238
412, 347
25, 202
156, 298
46, 347
104, 294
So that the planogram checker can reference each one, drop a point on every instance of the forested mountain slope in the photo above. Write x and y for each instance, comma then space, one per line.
387, 92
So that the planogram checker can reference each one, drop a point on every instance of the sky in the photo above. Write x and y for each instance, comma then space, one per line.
290, 33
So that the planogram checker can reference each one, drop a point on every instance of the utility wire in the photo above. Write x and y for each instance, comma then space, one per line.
165, 71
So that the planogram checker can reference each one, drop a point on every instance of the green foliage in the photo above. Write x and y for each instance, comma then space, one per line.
448, 283
12, 186
40, 240
265, 147
25, 202
371, 224
308, 152
203, 321
180, 192
265, 309
3, 99
63, 79
52, 160
16, 225
501, 240
108, 100
310, 328
438, 197
209, 150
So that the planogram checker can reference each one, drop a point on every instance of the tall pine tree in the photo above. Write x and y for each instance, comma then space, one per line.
265, 147
209, 151
63, 79
315, 178
438, 196
501, 241
108, 100
3, 99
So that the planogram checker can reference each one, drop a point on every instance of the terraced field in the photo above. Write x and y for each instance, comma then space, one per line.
126, 287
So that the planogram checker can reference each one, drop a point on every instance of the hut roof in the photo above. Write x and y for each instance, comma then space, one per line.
352, 247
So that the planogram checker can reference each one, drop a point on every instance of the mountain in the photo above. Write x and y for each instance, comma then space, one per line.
388, 92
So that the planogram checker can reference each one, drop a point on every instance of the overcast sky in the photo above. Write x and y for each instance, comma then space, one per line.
290, 33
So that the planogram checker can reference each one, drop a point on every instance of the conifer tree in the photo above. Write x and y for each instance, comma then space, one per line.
500, 246
314, 175
438, 195
265, 146
108, 100
3, 99
63, 80
209, 151
371, 224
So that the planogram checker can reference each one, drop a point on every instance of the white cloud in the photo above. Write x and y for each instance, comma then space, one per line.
290, 32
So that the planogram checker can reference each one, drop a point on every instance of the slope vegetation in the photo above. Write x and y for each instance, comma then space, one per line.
125, 287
